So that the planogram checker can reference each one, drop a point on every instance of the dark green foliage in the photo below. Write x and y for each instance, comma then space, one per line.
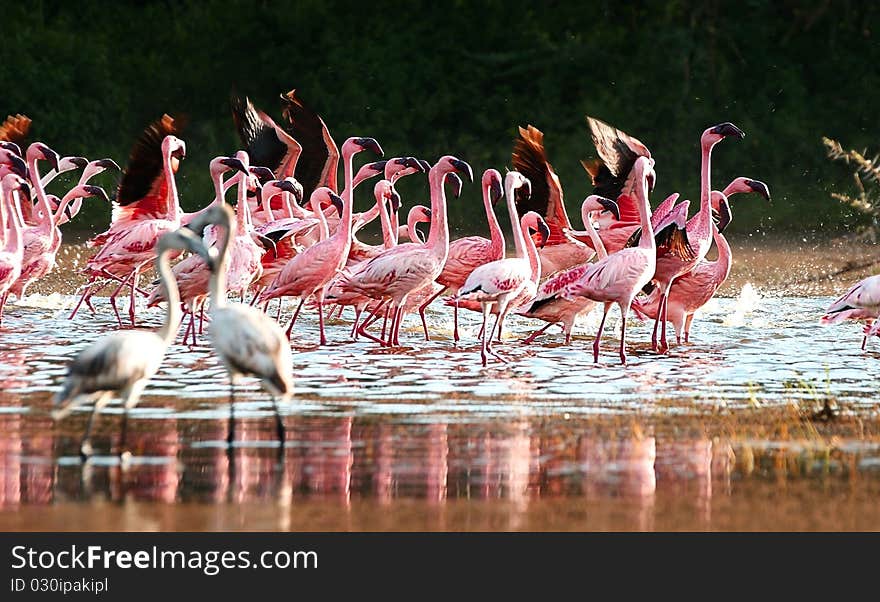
459, 77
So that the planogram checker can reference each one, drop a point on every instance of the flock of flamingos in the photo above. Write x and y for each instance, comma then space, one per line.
293, 233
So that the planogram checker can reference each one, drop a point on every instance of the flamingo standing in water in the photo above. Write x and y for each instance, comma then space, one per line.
124, 362
499, 282
861, 302
43, 240
309, 272
672, 262
12, 187
468, 253
393, 275
694, 289
618, 277
248, 342
549, 305
147, 207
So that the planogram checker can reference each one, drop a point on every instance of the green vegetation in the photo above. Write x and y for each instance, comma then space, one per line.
459, 77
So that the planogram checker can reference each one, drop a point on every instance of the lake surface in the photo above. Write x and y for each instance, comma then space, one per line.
724, 433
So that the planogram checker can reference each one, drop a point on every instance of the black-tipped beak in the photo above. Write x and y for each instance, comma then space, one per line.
727, 129
370, 144
416, 164
544, 231
267, 243
50, 156
11, 147
25, 189
108, 164
611, 206
759, 187
233, 163
463, 168
527, 188
78, 162
263, 174
455, 181
395, 201
97, 191
337, 202
426, 167
68, 211
18, 166
496, 190
378, 166
179, 153
652, 181
724, 215
292, 188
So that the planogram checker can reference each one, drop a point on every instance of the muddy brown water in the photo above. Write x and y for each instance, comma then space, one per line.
728, 432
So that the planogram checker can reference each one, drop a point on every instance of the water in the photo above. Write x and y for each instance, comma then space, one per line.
723, 433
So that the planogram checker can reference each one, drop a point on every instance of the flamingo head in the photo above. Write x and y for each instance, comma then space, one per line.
220, 165
12, 147
15, 163
419, 214
186, 240
453, 180
262, 174
716, 133
337, 202
517, 186
535, 223
747, 185
594, 202
369, 170
720, 210
356, 144
93, 168
174, 149
13, 182
492, 185
39, 150
401, 167
293, 187
71, 163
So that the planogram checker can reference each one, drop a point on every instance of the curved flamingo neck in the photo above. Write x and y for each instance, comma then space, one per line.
725, 258
496, 234
518, 238
33, 166
438, 237
323, 229
13, 223
173, 315
532, 252
705, 185
388, 236
72, 194
218, 279
646, 240
598, 245
172, 189
343, 230
241, 208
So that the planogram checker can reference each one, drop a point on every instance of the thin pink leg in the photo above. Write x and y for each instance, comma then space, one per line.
424, 306
131, 303
83, 297
664, 346
657, 322
257, 296
455, 336
113, 299
483, 349
320, 300
295, 315
357, 318
3, 304
531, 338
362, 329
623, 314
599, 333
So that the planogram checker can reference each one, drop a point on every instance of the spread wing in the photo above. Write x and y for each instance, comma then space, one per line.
267, 145
143, 190
15, 128
617, 152
546, 199
320, 157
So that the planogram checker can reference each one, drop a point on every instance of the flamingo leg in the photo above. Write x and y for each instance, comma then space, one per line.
599, 333
455, 336
624, 310
531, 338
186, 332
385, 323
398, 321
113, 298
201, 316
280, 304
320, 299
657, 320
3, 304
491, 351
483, 348
295, 314
257, 296
131, 303
362, 329
425, 305
664, 346
354, 325
687, 327
87, 290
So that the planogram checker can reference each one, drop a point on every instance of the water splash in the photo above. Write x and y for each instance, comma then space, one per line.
747, 303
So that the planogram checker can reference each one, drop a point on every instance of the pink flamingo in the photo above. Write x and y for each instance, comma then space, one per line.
618, 277
396, 273
468, 253
694, 289
549, 305
90, 170
861, 302
36, 152
43, 240
499, 282
309, 272
11, 226
671, 261
147, 207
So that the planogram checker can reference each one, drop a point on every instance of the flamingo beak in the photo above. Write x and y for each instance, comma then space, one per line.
426, 167
293, 188
267, 243
463, 168
760, 188
378, 166
725, 216
455, 181
108, 164
395, 201
544, 230
19, 167
416, 164
263, 174
233, 163
496, 191
12, 147
97, 191
78, 162
609, 205
370, 144
727, 129
337, 202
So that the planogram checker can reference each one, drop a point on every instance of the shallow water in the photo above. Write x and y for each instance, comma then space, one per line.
718, 434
